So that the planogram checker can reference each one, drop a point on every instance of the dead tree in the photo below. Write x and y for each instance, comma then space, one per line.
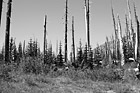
45, 38
137, 35
66, 29
7, 34
23, 49
73, 43
1, 2
120, 42
87, 19
116, 36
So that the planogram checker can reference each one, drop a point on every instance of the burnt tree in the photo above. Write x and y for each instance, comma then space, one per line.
73, 43
1, 2
7, 33
66, 29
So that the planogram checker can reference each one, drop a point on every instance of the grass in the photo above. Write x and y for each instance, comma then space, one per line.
98, 80
70, 81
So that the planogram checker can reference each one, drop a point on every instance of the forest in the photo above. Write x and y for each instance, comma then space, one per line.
112, 67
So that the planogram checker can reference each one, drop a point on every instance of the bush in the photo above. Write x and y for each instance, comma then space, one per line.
32, 65
102, 74
4, 71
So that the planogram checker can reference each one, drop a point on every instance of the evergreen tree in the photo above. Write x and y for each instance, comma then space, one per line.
85, 57
20, 50
30, 48
79, 54
60, 62
97, 56
90, 58
50, 55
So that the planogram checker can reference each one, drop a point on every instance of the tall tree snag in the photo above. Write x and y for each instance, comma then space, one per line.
73, 43
137, 47
45, 39
120, 42
116, 31
66, 29
1, 2
87, 22
7, 34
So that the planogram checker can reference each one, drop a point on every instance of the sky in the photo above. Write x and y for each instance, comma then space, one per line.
28, 20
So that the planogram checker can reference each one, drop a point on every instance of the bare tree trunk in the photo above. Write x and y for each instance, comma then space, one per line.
120, 42
1, 2
116, 36
45, 39
137, 48
87, 19
66, 28
7, 34
24, 48
73, 43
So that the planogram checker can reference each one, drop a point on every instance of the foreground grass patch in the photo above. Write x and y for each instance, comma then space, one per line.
61, 84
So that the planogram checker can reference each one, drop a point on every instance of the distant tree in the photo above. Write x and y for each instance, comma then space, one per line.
49, 60
79, 54
85, 57
20, 52
30, 48
60, 61
97, 56
35, 48
90, 58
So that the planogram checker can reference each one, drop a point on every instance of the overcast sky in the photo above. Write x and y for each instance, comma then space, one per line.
28, 19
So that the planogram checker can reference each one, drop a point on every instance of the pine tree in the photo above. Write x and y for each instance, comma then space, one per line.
90, 58
79, 54
97, 56
50, 55
35, 48
30, 48
20, 50
85, 57
60, 62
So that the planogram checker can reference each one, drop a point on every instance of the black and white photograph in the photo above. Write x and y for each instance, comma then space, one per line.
69, 46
